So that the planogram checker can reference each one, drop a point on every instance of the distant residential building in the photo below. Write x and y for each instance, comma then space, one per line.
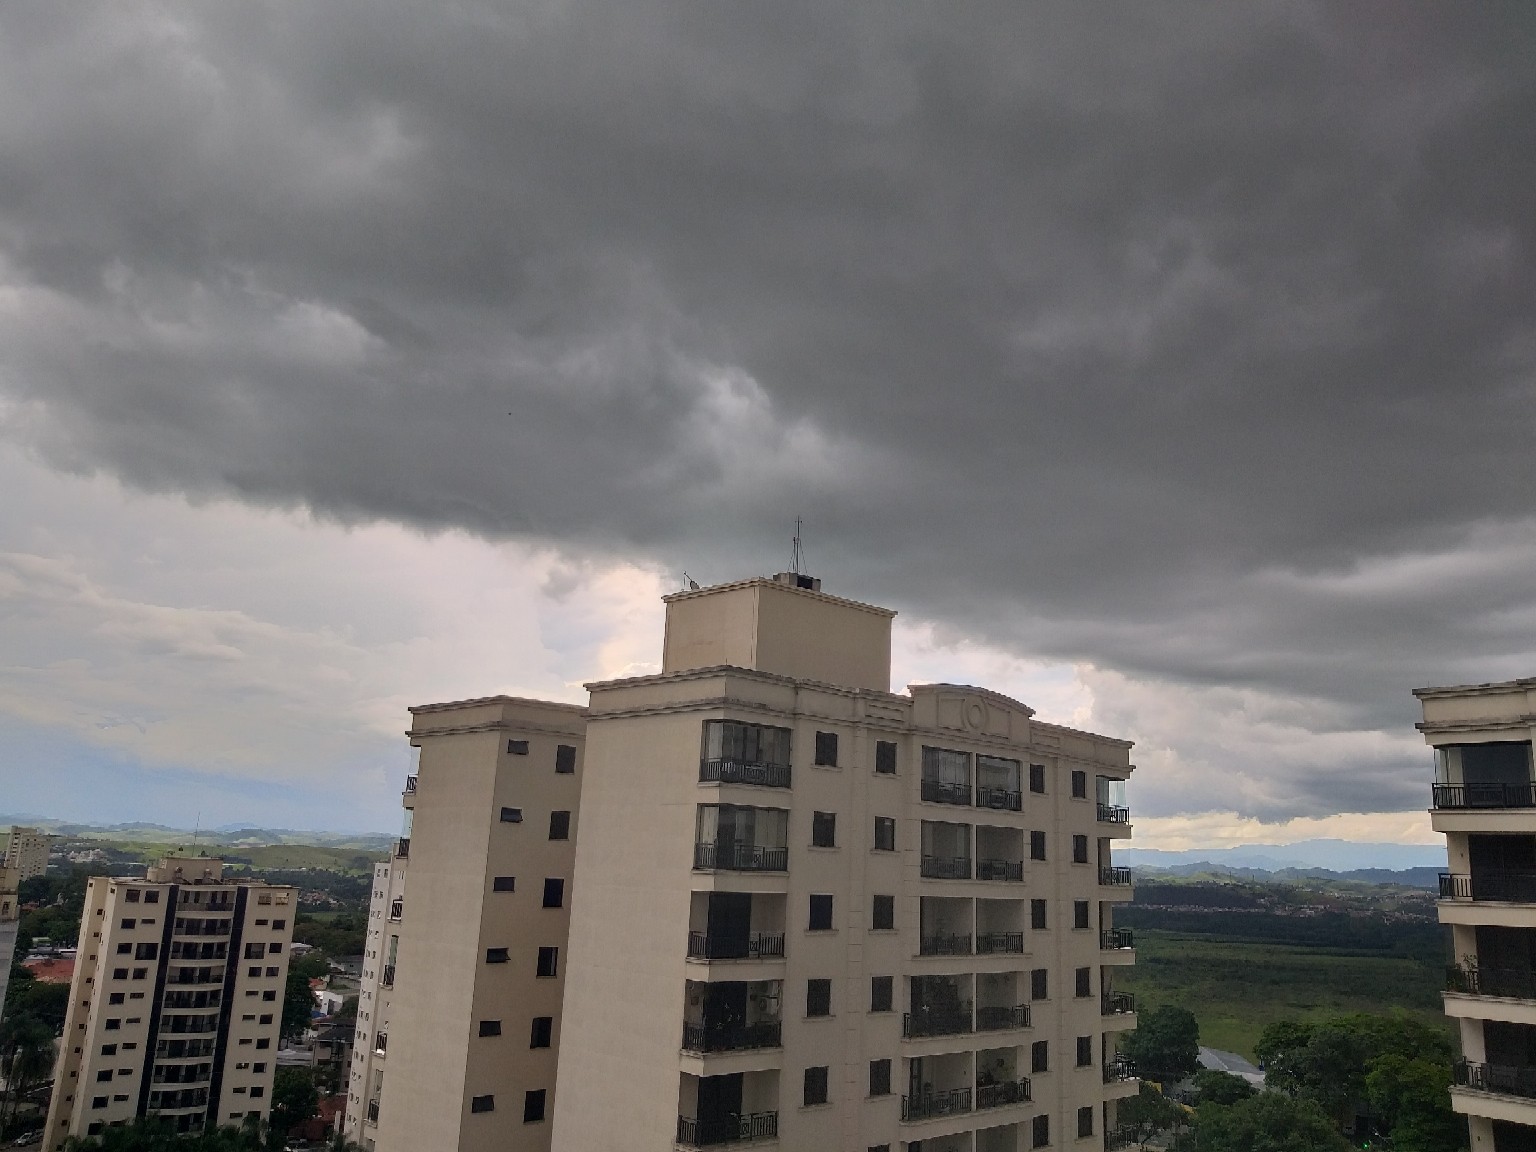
1484, 801
176, 1001
10, 913
51, 969
26, 853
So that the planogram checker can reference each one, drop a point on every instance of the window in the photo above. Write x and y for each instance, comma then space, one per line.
104, 1075
273, 948
129, 922
482, 1103
490, 1027
823, 829
98, 1102
885, 834
533, 1106
255, 951
262, 923
554, 893
1037, 845
883, 916
1084, 978
259, 1068
140, 973
818, 997
109, 1049
115, 998
815, 1085
504, 884
1080, 914
113, 1025
1039, 986
119, 973
269, 994
131, 896
150, 951
124, 949
826, 749
264, 1042
1040, 1132
496, 956
1085, 1121
1080, 790
880, 993
511, 815
821, 913
559, 825
266, 1018
1040, 1056
549, 959
256, 1093
1079, 849
565, 759
152, 897
1039, 918
879, 1077
885, 757
272, 971
542, 1033
517, 747
279, 924
1085, 1053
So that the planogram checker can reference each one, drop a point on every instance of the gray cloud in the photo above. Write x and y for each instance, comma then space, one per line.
1194, 342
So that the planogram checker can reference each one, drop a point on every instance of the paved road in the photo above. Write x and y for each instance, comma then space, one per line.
1233, 1063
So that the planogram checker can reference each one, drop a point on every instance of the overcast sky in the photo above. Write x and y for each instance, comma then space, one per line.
1169, 367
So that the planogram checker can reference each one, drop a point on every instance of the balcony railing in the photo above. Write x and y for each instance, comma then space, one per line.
373, 1111
756, 946
1002, 1094
741, 857
1505, 1079
998, 1019
1115, 877
1484, 795
1114, 814
944, 944
410, 785
397, 909
992, 943
1511, 983
388, 978
1122, 1138
999, 869
947, 867
403, 847
731, 1129
1118, 1003
1119, 1069
731, 1037
931, 1104
744, 772
1002, 799
381, 1043
1499, 886
937, 1021
941, 792
1117, 939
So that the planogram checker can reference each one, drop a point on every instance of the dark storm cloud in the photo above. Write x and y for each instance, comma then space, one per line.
1194, 341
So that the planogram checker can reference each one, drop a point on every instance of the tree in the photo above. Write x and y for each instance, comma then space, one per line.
294, 1100
1413, 1099
1213, 1087
1277, 1051
26, 1058
155, 1135
1166, 1044
1144, 1115
298, 1000
1267, 1122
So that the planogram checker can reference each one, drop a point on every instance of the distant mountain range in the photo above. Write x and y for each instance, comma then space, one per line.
1333, 855
224, 836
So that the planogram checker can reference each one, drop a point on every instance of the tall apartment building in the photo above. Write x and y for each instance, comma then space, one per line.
176, 1001
10, 913
386, 912
1485, 804
26, 853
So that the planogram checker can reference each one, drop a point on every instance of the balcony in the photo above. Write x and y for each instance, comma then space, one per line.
388, 977
1118, 1003
1115, 877
1484, 795
1000, 799
944, 944
1119, 1070
753, 946
1510, 983
1002, 1094
1114, 814
1117, 939
1003, 1018
702, 1038
1503, 1079
995, 943
744, 772
944, 792
741, 857
410, 785
932, 1104
1499, 886
397, 910
403, 848
693, 1133
946, 867
922, 1022
999, 869
373, 1110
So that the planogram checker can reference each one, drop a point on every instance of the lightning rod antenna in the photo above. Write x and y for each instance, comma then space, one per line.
796, 555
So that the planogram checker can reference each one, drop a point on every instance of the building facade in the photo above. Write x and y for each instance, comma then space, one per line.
1484, 801
26, 853
176, 1001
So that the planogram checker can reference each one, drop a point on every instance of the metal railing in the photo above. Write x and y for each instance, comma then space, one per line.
1122, 1138
1504, 1079
731, 1129
998, 1019
1118, 1003
744, 772
941, 792
373, 1111
754, 946
741, 857
403, 847
992, 943
937, 1021
931, 1104
731, 1037
388, 978
397, 909
1512, 887
1114, 814
1119, 1069
1002, 799
947, 867
944, 944
1002, 1094
999, 869
1115, 877
1117, 939
1511, 983
410, 785
1484, 795
381, 1043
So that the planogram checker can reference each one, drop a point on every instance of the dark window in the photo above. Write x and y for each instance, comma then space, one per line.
1040, 1056
152, 897
124, 949
257, 1093
511, 815
565, 759
549, 960
139, 974
113, 1025
1039, 917
818, 997
879, 1077
1079, 849
132, 895
554, 892
885, 757
559, 825
108, 1049
826, 749
821, 913
1037, 845
119, 973
542, 1032
1039, 986
816, 1085
533, 1106
1080, 790
517, 747
824, 829
1084, 982
254, 951
273, 947
482, 1103
884, 913
504, 884
266, 1018
1040, 1132
115, 998
885, 834
129, 922
880, 988
495, 955
490, 1027
1080, 914
269, 994
1085, 1121
279, 924
1085, 1053
264, 1042
104, 1074
1037, 777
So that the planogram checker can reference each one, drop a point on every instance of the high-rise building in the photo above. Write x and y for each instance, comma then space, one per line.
10, 913
176, 1001
26, 853
1485, 804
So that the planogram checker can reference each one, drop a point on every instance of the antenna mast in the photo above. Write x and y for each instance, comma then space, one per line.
796, 556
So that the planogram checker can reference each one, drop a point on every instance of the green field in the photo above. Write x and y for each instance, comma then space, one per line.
1236, 988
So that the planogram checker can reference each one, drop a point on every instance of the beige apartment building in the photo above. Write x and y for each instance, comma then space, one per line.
176, 1001
26, 853
1485, 803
